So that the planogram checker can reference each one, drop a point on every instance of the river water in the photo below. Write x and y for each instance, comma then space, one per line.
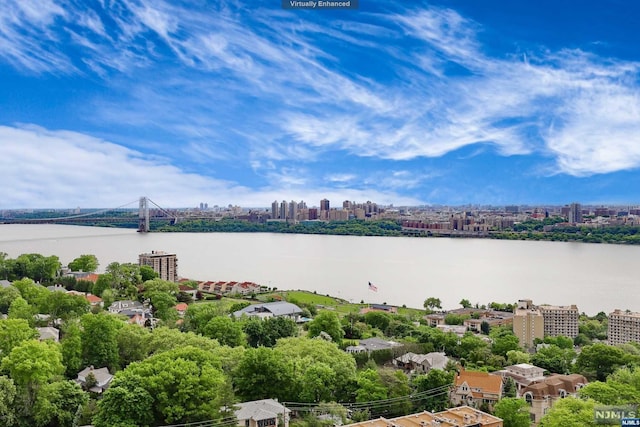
406, 270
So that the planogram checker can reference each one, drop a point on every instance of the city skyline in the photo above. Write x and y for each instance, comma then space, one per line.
440, 103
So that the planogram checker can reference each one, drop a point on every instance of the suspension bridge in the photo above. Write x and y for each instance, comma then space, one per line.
147, 212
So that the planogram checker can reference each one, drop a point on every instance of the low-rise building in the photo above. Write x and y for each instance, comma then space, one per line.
542, 394
94, 380
523, 374
372, 344
262, 413
476, 388
271, 309
462, 416
421, 363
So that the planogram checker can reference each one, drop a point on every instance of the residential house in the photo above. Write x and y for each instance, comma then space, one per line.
101, 379
462, 416
459, 330
271, 309
181, 308
5, 283
188, 290
421, 363
476, 388
93, 300
57, 288
523, 374
49, 333
372, 344
262, 413
542, 394
119, 306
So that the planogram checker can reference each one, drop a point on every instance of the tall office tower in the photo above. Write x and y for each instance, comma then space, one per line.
575, 213
283, 210
274, 210
163, 263
624, 327
302, 205
293, 211
560, 320
528, 323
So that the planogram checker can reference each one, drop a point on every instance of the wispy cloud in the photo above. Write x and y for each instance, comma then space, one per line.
267, 88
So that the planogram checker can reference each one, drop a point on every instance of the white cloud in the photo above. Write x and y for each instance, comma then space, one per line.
58, 168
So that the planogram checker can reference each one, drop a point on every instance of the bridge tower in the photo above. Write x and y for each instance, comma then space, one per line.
143, 215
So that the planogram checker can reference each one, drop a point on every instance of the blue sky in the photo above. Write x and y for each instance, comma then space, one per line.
453, 102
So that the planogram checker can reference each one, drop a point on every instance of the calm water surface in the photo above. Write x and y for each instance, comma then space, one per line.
406, 270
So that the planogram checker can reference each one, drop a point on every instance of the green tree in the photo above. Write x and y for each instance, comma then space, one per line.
14, 332
328, 322
306, 352
7, 295
177, 386
515, 357
465, 303
147, 273
71, 348
570, 412
163, 306
370, 386
57, 403
264, 373
165, 339
100, 340
514, 412
431, 303
597, 361
377, 319
610, 392
502, 345
198, 315
133, 344
318, 383
65, 306
554, 359
36, 295
33, 364
437, 383
8, 404
397, 385
88, 263
20, 309
226, 330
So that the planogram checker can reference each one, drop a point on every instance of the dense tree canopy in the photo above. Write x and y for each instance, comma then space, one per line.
177, 386
329, 323
88, 263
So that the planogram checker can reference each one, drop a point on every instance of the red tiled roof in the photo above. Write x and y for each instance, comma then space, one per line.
181, 307
93, 299
480, 380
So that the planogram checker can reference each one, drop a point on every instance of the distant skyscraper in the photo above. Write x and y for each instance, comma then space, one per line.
274, 210
324, 205
293, 211
283, 210
575, 213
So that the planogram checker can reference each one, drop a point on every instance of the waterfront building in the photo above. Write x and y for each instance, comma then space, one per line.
575, 213
560, 320
624, 327
163, 263
528, 323
324, 205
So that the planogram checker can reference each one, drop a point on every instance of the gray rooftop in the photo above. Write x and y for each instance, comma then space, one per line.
260, 410
278, 308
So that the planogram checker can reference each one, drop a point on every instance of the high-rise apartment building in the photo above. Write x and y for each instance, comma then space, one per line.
624, 327
575, 213
163, 263
324, 205
560, 320
528, 323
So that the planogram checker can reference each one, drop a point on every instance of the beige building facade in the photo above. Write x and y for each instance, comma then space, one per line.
528, 323
163, 263
560, 320
624, 327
